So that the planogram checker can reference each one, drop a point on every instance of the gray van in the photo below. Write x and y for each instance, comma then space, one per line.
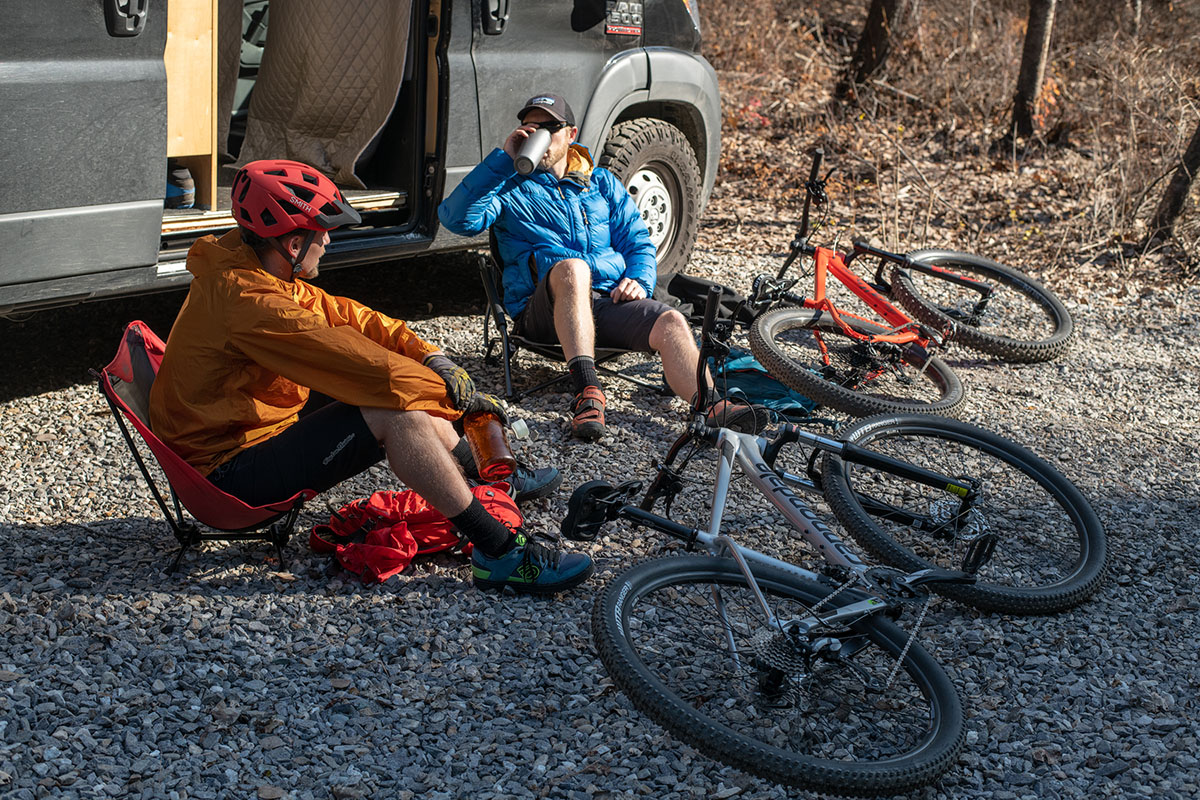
104, 104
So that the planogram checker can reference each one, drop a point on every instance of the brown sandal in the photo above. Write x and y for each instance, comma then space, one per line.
588, 411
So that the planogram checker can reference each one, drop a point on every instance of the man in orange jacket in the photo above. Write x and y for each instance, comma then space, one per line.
270, 385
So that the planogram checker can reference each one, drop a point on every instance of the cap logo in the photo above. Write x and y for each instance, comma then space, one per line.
546, 100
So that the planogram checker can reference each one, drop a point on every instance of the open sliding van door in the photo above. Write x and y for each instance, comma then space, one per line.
82, 143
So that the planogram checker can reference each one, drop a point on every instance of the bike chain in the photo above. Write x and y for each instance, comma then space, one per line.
912, 637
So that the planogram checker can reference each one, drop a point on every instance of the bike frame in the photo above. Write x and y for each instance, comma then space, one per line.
828, 262
746, 451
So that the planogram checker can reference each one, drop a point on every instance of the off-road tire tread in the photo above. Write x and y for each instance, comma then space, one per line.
801, 379
746, 754
1006, 348
983, 596
627, 143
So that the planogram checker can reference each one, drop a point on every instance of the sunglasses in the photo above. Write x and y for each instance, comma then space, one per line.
551, 125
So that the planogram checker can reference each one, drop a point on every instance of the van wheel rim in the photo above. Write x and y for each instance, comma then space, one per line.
656, 203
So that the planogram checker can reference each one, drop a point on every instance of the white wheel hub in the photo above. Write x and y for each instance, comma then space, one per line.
653, 200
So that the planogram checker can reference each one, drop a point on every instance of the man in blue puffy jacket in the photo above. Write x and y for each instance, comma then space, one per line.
579, 266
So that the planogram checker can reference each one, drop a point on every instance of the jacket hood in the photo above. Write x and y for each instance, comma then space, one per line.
210, 255
579, 165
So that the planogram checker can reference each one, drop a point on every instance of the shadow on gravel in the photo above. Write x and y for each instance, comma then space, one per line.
54, 349
130, 556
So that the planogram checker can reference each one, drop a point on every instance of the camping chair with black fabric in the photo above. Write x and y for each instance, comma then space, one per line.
491, 272
125, 384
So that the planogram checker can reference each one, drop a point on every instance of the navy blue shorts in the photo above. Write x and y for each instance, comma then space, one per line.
328, 444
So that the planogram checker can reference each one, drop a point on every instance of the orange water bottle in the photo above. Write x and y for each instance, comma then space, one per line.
494, 458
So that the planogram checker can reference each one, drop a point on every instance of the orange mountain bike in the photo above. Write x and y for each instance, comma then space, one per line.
861, 365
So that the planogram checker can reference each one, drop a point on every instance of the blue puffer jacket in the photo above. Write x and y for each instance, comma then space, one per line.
540, 220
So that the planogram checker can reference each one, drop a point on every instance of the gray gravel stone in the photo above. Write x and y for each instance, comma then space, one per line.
233, 680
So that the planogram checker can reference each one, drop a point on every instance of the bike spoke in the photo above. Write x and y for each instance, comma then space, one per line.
876, 370
1005, 311
822, 707
1035, 546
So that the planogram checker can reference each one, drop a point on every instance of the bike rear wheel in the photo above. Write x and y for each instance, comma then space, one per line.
663, 630
1021, 321
808, 351
1050, 553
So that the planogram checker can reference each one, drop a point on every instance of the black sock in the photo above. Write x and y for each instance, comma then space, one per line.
462, 454
583, 372
483, 530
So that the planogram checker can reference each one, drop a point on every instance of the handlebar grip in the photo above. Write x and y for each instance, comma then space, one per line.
711, 304
818, 157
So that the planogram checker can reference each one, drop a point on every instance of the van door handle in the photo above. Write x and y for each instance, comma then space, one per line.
125, 17
495, 16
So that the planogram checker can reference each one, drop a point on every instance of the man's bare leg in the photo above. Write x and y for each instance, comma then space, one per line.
570, 283
571, 290
418, 449
672, 338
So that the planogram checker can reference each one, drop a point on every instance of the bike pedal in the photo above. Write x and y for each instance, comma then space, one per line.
978, 553
592, 504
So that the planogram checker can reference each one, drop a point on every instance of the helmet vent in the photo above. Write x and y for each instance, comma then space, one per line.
304, 194
310, 178
268, 218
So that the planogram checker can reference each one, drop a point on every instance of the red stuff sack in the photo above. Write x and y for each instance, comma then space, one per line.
377, 537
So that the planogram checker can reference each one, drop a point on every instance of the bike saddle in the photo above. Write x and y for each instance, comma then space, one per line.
593, 504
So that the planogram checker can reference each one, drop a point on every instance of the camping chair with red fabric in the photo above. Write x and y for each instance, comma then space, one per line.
125, 384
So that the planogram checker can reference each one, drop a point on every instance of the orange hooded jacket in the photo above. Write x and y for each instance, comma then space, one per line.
247, 347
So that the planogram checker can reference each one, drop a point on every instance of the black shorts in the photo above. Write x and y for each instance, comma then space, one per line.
620, 325
328, 444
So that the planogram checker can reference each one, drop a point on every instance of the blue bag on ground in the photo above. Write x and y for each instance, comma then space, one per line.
741, 375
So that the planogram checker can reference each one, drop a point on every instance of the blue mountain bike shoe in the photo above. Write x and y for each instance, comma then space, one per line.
533, 484
530, 568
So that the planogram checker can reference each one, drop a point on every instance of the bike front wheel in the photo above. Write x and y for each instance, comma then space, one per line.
1050, 548
828, 710
1020, 320
808, 351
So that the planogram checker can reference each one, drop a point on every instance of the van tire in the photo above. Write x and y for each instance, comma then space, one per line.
657, 164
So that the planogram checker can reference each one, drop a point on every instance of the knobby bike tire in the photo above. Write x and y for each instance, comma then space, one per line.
1051, 553
657, 630
1024, 322
788, 340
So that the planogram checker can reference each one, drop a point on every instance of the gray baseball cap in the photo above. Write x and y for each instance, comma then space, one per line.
552, 104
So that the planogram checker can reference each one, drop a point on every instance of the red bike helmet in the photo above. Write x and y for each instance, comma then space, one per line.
274, 197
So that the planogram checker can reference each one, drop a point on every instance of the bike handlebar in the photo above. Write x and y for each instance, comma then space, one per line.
712, 303
818, 157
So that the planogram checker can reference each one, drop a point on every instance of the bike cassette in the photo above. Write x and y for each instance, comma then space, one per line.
951, 523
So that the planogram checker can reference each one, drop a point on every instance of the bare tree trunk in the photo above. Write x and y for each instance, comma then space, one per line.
883, 19
1033, 64
1162, 226
1135, 7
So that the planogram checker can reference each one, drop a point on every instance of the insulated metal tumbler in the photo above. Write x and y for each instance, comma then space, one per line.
529, 155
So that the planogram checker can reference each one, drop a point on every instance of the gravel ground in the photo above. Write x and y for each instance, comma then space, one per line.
234, 679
